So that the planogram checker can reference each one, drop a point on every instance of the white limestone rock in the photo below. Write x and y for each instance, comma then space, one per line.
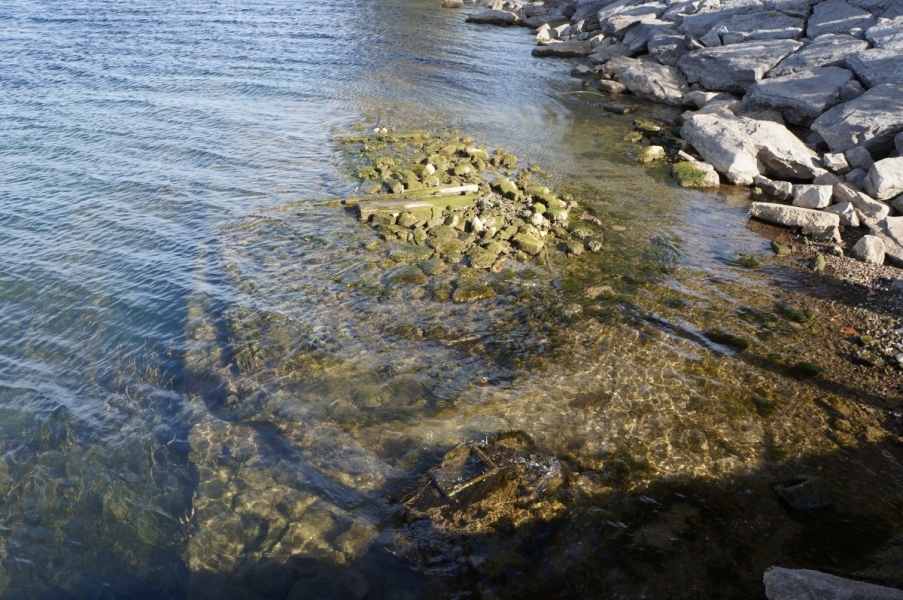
871, 120
736, 67
740, 148
890, 230
869, 249
824, 224
836, 162
847, 213
885, 178
800, 96
887, 34
812, 196
870, 210
649, 80
782, 190
837, 16
825, 51
877, 66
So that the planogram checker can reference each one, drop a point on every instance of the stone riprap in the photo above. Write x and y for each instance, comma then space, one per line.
821, 81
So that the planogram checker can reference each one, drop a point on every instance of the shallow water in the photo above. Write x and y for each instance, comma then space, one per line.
207, 391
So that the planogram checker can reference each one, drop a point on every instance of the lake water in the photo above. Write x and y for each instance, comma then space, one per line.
167, 172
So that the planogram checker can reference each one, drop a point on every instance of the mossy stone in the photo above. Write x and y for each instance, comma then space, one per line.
408, 275
471, 290
528, 243
408, 253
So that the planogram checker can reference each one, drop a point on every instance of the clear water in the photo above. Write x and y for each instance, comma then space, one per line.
165, 171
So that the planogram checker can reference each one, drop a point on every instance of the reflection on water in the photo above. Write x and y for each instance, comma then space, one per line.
210, 388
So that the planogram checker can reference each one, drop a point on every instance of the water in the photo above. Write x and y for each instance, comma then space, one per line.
205, 391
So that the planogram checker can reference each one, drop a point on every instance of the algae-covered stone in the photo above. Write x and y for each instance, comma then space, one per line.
407, 219
557, 214
447, 245
408, 275
695, 174
383, 218
528, 243
470, 290
432, 266
442, 232
481, 259
575, 248
780, 248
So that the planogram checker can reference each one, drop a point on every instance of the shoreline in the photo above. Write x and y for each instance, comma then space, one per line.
780, 114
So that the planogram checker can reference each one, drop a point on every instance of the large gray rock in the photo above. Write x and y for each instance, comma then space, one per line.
885, 178
699, 24
493, 17
617, 17
859, 158
763, 25
803, 584
898, 143
898, 203
837, 16
824, 224
869, 249
740, 148
800, 97
736, 67
874, 67
869, 209
649, 80
637, 38
826, 51
667, 48
890, 230
887, 34
871, 120
568, 49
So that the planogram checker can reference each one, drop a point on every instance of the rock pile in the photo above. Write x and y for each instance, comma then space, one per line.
456, 203
802, 99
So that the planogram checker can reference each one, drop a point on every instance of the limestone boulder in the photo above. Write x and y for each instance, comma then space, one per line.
649, 80
847, 213
700, 23
887, 34
826, 51
619, 16
568, 49
838, 16
800, 97
877, 66
890, 230
869, 209
758, 25
812, 196
823, 224
885, 178
871, 120
797, 584
740, 148
869, 249
859, 158
736, 67
667, 47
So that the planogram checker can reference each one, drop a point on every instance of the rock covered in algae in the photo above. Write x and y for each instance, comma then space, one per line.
461, 205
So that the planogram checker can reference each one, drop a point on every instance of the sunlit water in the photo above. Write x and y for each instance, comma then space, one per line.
164, 176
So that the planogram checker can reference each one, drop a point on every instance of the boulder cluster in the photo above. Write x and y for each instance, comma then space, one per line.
453, 202
802, 99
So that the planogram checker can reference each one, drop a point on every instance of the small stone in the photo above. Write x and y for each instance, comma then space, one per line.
620, 109
612, 87
780, 248
650, 154
575, 248
528, 243
818, 263
408, 275
471, 290
836, 162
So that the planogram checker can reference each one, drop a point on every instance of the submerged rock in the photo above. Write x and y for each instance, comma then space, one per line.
804, 493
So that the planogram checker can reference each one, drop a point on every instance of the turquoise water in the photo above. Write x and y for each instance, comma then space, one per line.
147, 152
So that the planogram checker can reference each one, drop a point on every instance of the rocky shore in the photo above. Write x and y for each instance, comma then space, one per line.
800, 100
